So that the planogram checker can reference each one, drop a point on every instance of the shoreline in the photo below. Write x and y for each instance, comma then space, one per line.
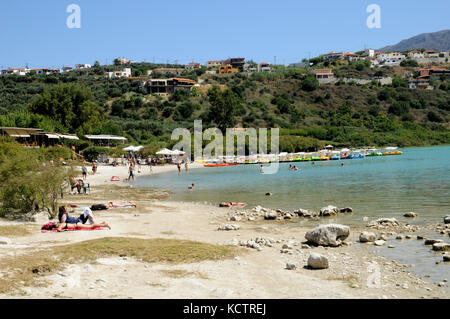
255, 274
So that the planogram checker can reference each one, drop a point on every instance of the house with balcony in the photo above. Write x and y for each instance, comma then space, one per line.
333, 56
350, 57
392, 57
192, 66
227, 69
214, 64
324, 75
237, 63
164, 87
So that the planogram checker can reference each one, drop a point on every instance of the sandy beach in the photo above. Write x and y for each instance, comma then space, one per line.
248, 273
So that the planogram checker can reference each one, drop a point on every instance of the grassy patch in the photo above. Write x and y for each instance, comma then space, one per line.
27, 270
17, 230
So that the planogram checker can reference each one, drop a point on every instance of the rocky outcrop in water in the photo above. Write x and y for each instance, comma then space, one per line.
261, 213
391, 224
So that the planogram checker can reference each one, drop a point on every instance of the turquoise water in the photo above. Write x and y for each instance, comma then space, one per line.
387, 186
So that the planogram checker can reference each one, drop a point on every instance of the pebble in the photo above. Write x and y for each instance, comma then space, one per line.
379, 242
391, 246
290, 266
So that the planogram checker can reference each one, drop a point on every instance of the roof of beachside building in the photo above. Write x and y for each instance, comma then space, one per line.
430, 51
105, 137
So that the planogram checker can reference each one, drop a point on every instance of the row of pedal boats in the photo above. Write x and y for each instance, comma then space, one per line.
297, 157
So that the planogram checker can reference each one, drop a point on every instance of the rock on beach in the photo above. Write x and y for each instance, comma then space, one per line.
328, 235
317, 261
366, 237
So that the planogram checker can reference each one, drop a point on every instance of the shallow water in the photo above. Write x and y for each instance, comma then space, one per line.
388, 186
418, 180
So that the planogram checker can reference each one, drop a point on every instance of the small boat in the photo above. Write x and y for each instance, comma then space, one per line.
392, 153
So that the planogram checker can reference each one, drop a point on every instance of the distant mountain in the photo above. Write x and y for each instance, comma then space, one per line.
439, 41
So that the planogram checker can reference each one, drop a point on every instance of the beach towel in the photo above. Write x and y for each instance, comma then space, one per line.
79, 229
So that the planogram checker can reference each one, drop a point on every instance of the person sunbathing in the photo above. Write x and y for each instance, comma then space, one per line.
67, 222
112, 205
232, 204
108, 206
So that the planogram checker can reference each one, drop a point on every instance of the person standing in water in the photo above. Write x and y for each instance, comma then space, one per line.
179, 167
261, 169
186, 166
131, 172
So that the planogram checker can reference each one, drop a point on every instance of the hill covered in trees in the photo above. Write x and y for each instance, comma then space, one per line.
308, 114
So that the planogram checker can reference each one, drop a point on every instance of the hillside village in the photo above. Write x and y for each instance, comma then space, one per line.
424, 65
342, 98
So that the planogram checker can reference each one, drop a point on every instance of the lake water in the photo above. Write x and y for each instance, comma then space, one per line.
385, 186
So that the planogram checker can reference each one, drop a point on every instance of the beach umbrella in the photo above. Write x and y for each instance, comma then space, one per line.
133, 148
177, 152
164, 151
329, 146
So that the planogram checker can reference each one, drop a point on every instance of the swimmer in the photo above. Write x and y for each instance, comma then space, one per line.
191, 187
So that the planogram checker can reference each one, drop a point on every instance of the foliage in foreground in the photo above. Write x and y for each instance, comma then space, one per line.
29, 182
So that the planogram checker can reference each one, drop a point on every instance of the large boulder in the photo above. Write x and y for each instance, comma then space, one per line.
410, 215
329, 211
328, 235
317, 261
366, 237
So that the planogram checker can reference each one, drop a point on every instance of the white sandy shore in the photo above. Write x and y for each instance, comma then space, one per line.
255, 274
105, 172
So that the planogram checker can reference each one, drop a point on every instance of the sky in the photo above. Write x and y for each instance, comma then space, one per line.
35, 33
